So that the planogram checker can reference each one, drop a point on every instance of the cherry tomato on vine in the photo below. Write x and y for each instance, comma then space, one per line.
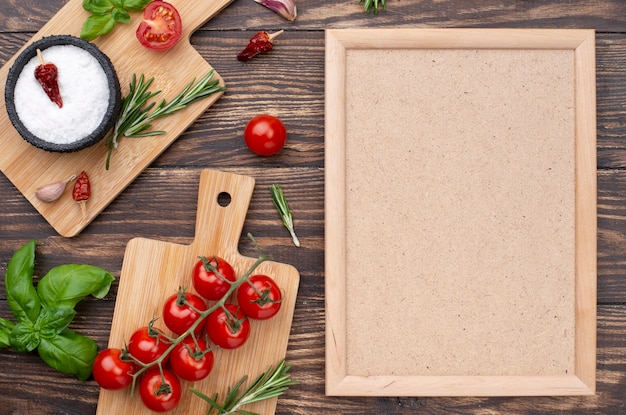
147, 344
212, 277
111, 372
265, 135
160, 393
190, 361
260, 298
161, 26
228, 327
181, 310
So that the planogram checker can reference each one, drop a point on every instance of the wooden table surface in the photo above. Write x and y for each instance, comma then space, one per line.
289, 83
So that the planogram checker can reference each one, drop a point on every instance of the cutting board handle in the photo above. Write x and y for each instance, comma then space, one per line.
223, 200
196, 13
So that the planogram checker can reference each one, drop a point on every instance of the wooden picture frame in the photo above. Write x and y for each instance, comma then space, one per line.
414, 305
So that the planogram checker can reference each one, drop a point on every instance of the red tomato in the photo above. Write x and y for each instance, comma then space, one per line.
228, 327
260, 298
191, 362
111, 372
212, 277
147, 344
161, 26
181, 310
160, 393
265, 135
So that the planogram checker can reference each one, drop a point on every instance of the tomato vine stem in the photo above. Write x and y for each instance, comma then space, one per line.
191, 330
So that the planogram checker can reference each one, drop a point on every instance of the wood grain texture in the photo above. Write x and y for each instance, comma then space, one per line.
161, 203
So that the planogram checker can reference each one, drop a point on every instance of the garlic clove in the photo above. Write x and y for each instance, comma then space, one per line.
52, 191
285, 8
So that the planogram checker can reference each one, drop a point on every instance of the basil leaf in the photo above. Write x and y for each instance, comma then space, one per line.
96, 26
135, 5
121, 16
6, 326
24, 337
98, 7
70, 353
18, 281
66, 285
53, 320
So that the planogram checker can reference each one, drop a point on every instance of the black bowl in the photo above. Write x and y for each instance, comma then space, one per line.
112, 110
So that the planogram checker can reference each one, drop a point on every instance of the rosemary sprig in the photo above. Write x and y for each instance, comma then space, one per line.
136, 114
372, 5
285, 213
271, 383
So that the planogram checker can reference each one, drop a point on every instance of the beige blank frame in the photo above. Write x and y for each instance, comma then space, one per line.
580, 380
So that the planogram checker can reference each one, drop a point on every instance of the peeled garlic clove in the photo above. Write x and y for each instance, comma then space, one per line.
52, 191
285, 8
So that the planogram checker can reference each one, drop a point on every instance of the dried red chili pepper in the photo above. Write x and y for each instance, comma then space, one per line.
259, 43
47, 75
82, 191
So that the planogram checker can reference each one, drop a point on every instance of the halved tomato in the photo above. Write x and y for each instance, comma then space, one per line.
161, 26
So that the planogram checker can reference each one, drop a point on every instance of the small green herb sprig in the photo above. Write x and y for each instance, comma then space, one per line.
105, 14
283, 209
136, 114
373, 5
270, 384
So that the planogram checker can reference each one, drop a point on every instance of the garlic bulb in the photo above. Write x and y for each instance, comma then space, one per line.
52, 191
286, 8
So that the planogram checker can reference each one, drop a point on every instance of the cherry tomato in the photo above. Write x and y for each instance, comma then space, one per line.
160, 393
260, 298
161, 26
228, 327
211, 277
265, 135
111, 372
181, 310
190, 361
147, 344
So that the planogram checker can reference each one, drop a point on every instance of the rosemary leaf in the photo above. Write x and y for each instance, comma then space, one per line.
271, 383
283, 209
136, 114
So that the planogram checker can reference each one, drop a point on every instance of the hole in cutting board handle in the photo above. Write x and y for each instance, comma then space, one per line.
224, 199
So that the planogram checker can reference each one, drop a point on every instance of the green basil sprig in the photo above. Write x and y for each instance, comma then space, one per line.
105, 14
43, 313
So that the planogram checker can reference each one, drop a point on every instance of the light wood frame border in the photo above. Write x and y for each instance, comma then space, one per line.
583, 381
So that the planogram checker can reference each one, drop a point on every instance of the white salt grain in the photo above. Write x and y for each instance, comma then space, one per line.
84, 90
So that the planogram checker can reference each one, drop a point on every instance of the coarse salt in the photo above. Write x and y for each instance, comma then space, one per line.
84, 89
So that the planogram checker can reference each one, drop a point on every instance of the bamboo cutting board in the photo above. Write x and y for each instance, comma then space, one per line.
28, 167
153, 270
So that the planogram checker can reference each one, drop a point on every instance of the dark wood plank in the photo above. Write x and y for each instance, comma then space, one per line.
604, 16
611, 236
